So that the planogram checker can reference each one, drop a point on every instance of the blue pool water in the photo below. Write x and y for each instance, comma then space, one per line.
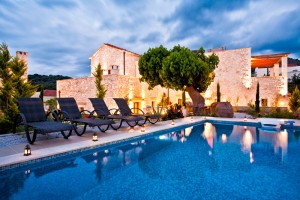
210, 161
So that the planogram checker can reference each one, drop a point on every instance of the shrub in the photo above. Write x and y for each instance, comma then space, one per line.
294, 102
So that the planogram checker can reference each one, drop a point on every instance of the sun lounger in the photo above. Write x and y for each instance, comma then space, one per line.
70, 112
33, 116
102, 111
126, 111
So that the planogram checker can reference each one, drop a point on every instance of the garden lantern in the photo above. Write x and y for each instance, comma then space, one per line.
27, 150
95, 137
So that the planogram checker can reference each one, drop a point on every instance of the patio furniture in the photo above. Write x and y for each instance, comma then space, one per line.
102, 111
33, 116
70, 112
126, 111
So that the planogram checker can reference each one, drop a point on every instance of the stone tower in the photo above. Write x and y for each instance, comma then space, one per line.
22, 55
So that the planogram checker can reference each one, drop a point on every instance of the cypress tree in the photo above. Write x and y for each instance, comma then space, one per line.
13, 86
101, 91
23, 88
218, 93
257, 108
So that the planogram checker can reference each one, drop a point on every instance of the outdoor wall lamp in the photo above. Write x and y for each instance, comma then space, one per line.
27, 150
95, 137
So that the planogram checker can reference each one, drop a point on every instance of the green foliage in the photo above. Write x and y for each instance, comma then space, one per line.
101, 91
150, 65
218, 93
23, 88
52, 103
13, 86
279, 114
257, 108
251, 109
295, 81
177, 68
49, 82
183, 68
294, 102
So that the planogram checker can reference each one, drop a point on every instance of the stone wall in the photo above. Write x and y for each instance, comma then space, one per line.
79, 88
236, 84
108, 56
117, 86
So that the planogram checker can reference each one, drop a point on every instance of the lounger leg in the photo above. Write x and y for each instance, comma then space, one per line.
132, 124
153, 121
116, 127
78, 129
66, 136
103, 129
141, 124
29, 138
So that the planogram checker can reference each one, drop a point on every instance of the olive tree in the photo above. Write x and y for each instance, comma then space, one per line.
179, 69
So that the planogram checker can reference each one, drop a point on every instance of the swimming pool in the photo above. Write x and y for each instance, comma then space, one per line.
208, 161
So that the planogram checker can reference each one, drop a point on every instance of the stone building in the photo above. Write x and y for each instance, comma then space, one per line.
22, 55
120, 78
238, 86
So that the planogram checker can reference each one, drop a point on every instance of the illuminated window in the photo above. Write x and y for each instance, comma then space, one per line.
264, 102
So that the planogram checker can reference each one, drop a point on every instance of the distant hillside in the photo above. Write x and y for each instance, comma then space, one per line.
293, 61
49, 82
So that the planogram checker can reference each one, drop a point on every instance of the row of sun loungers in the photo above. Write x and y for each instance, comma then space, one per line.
69, 118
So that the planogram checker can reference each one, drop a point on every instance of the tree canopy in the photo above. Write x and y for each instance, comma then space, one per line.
48, 81
178, 68
150, 65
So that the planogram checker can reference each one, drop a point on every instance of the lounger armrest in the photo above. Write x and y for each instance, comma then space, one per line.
137, 109
63, 115
99, 113
23, 119
88, 112
114, 111
54, 115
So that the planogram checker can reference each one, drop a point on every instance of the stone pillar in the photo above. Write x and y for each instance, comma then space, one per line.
284, 75
272, 72
276, 70
23, 56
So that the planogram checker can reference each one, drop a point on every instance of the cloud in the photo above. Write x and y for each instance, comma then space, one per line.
60, 36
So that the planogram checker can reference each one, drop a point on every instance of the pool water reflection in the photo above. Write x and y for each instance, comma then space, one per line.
209, 161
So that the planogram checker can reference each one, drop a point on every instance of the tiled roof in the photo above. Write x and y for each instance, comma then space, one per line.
50, 93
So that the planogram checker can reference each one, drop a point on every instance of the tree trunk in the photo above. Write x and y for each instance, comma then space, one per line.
197, 99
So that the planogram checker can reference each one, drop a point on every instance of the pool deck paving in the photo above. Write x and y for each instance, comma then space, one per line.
12, 154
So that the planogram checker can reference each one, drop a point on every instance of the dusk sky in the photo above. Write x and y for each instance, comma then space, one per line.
61, 35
